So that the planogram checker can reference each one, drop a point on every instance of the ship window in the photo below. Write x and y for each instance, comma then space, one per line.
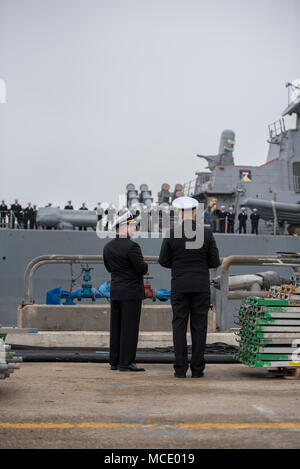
296, 174
296, 169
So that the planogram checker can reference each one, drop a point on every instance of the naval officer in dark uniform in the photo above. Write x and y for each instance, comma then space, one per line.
28, 217
230, 220
243, 217
190, 289
123, 258
3, 213
254, 221
222, 217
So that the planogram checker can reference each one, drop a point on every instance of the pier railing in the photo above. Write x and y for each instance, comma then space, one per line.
282, 260
37, 262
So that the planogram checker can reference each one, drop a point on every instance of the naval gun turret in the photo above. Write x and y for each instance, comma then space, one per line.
277, 181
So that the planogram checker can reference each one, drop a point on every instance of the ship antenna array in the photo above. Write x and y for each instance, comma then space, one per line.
293, 94
293, 85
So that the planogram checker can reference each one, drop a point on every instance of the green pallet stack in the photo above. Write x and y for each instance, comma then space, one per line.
269, 334
8, 360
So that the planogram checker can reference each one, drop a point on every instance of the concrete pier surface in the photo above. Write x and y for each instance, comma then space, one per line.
86, 405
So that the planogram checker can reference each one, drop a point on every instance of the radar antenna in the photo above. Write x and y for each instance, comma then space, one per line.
294, 100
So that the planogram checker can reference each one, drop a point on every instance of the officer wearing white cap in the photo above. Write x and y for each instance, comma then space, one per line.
230, 220
222, 218
243, 217
190, 289
254, 221
124, 260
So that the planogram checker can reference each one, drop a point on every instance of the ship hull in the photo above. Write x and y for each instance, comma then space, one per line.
19, 247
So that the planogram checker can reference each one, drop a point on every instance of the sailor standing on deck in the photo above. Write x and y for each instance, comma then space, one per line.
3, 213
16, 213
123, 258
190, 291
222, 217
69, 206
28, 217
230, 220
254, 221
243, 217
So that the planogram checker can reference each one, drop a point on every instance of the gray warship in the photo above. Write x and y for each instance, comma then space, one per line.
273, 188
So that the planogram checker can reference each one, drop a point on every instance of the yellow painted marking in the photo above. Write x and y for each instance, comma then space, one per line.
187, 426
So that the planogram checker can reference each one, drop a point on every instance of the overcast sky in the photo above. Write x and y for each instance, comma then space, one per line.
101, 93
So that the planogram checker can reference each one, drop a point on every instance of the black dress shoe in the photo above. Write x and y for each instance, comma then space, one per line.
179, 376
113, 367
198, 375
131, 367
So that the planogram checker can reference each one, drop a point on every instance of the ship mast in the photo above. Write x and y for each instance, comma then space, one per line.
2, 92
294, 101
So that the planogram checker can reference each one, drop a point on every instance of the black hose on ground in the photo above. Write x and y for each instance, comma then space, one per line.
214, 353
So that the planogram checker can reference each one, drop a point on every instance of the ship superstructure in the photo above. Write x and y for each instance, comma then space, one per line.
273, 187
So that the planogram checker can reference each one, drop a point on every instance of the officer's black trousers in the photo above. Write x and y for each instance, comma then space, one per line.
255, 228
124, 331
242, 227
230, 228
196, 306
222, 225
3, 221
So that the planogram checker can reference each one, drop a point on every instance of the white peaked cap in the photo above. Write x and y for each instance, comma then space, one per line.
125, 218
185, 203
